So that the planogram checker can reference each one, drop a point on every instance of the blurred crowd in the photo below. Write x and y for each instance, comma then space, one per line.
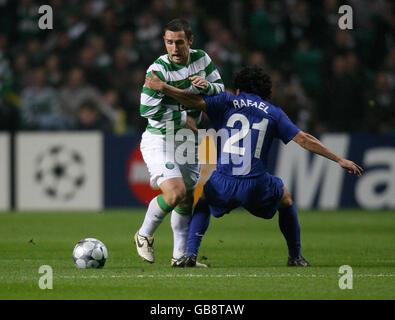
87, 72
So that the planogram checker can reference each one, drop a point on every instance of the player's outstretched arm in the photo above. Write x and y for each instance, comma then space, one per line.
184, 97
312, 144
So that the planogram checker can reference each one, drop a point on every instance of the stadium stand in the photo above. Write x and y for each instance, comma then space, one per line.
326, 79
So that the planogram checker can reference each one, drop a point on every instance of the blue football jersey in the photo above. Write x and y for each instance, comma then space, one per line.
246, 126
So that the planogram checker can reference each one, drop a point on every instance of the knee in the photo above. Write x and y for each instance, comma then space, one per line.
286, 200
175, 196
187, 201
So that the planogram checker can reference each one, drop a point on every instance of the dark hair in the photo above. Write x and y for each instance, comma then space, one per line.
179, 24
88, 105
252, 79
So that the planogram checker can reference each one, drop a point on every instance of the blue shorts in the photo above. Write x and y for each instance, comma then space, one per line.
259, 195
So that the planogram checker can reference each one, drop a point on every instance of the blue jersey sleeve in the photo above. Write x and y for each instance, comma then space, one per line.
286, 129
217, 105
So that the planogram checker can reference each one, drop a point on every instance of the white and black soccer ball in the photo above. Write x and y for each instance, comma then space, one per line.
60, 172
90, 253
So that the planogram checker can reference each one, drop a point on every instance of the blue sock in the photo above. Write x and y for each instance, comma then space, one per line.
289, 226
198, 226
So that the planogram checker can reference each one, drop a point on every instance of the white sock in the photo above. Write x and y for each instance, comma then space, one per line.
153, 218
180, 226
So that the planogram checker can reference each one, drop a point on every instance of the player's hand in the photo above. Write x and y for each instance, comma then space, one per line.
350, 166
154, 82
199, 82
191, 124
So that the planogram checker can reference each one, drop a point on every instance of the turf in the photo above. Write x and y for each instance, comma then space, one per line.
247, 257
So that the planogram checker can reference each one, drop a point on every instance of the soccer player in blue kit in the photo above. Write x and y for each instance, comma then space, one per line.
241, 178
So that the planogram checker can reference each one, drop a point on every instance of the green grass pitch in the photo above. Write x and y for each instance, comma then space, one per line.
247, 257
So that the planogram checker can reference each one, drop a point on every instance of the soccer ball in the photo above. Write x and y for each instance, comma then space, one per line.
90, 253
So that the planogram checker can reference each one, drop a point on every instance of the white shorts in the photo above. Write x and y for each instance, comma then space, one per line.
164, 163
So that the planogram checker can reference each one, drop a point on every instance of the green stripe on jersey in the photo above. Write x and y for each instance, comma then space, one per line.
144, 109
159, 114
169, 66
169, 100
194, 56
177, 118
181, 84
161, 131
158, 73
150, 93
210, 68
153, 130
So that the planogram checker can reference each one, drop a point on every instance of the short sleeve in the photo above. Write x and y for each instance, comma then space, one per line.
217, 105
286, 129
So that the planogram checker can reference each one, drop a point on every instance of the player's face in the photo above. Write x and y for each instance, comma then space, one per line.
177, 46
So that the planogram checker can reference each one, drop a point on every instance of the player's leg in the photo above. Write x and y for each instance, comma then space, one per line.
182, 214
180, 222
197, 228
180, 219
219, 197
290, 228
168, 177
173, 191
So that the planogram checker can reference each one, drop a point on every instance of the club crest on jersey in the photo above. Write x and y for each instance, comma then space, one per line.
202, 74
169, 165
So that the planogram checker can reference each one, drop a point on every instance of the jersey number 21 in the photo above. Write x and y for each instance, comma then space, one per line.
229, 145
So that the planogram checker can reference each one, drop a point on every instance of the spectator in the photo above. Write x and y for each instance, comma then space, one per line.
93, 75
23, 71
262, 29
389, 68
111, 97
292, 98
64, 48
100, 49
8, 100
380, 106
90, 118
27, 25
54, 74
307, 65
341, 109
35, 52
121, 68
298, 23
148, 35
127, 42
76, 91
6, 73
136, 123
40, 109
226, 54
257, 58
102, 57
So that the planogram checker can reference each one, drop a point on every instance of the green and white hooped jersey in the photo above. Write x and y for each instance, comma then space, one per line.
159, 108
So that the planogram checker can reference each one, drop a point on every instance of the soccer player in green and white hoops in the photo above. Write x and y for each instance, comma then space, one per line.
184, 68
